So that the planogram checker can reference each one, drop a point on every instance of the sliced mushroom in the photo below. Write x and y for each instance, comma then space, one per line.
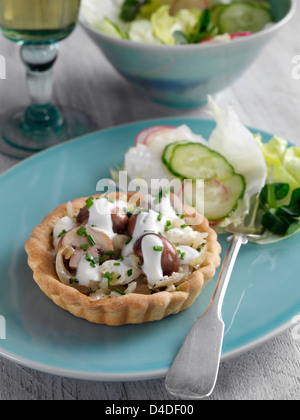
120, 220
170, 261
83, 240
131, 224
83, 216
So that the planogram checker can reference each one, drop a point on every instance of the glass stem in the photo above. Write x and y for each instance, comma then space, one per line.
41, 115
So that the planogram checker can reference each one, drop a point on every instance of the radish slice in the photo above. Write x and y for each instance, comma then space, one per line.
140, 138
159, 139
157, 131
226, 37
240, 35
143, 136
216, 223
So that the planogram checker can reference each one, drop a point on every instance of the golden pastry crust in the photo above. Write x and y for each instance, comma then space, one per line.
132, 308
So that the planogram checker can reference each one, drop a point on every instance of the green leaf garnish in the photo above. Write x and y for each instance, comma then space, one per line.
280, 220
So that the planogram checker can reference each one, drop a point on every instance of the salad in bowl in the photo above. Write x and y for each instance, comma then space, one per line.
172, 22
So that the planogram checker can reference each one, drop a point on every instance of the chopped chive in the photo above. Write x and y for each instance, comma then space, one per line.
119, 291
73, 280
84, 246
183, 226
108, 275
128, 241
158, 248
159, 217
89, 202
102, 258
182, 216
89, 258
121, 258
129, 273
108, 279
109, 252
168, 226
117, 264
163, 193
182, 256
81, 231
91, 240
62, 233
96, 260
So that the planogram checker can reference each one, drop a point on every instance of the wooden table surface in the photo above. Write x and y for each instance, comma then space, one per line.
266, 97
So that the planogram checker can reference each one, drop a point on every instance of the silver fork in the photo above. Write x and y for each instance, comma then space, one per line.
194, 372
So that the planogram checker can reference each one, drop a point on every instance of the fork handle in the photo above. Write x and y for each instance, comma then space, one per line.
216, 303
194, 371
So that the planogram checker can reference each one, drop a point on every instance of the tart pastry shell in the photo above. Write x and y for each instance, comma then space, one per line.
132, 308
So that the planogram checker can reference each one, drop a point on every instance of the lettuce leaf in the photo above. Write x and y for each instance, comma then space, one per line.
237, 144
283, 163
164, 25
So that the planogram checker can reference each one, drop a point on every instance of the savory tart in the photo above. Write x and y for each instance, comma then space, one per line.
123, 258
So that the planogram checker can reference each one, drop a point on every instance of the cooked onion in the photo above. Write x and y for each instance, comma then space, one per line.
63, 273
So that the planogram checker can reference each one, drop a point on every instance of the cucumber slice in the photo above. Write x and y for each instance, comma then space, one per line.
216, 11
107, 27
221, 199
168, 152
196, 161
243, 17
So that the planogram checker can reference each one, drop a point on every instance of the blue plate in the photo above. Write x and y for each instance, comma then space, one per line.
263, 295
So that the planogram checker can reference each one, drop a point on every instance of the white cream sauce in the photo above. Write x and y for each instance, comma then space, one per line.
100, 215
146, 222
152, 259
86, 273
164, 207
63, 224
